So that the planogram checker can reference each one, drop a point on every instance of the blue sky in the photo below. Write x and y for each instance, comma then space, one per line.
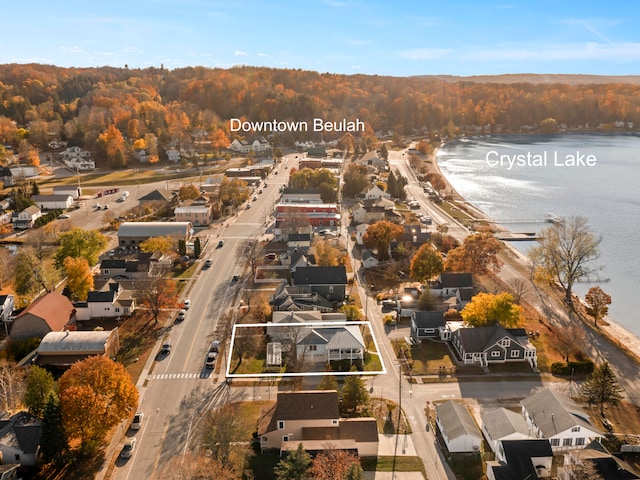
383, 37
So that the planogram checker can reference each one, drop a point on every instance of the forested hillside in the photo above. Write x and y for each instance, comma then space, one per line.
92, 106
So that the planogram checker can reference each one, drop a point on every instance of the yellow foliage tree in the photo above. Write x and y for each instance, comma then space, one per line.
488, 309
478, 254
79, 277
95, 395
158, 244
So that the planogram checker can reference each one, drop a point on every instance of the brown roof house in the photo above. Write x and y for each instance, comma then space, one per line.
312, 418
52, 312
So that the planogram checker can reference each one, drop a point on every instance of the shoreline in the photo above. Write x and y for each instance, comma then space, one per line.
609, 327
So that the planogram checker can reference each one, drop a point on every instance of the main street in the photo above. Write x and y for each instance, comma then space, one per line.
177, 390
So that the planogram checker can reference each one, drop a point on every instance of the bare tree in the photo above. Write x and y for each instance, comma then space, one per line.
566, 252
567, 339
519, 287
157, 294
13, 385
251, 250
7, 266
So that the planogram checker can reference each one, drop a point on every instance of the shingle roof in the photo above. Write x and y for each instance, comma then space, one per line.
518, 455
429, 319
478, 339
101, 296
157, 195
554, 413
320, 275
453, 280
456, 420
501, 422
55, 309
302, 405
358, 429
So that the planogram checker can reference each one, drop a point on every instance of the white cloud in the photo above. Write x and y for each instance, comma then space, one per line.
240, 53
264, 55
74, 49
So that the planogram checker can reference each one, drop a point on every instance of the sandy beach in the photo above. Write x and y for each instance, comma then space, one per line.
608, 327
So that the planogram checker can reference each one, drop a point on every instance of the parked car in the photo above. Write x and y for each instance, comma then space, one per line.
208, 262
166, 348
106, 207
137, 421
181, 315
221, 244
215, 346
63, 216
129, 447
211, 359
186, 304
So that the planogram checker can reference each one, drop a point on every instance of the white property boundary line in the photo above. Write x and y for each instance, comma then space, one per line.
295, 374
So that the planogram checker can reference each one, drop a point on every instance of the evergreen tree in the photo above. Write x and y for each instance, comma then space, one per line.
35, 189
602, 387
53, 443
295, 466
197, 247
40, 386
392, 184
384, 152
328, 382
355, 472
182, 247
354, 393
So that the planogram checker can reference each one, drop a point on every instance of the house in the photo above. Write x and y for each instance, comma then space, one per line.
6, 177
299, 242
415, 235
312, 418
73, 190
75, 152
361, 229
20, 439
293, 298
139, 266
157, 195
114, 302
258, 144
7, 304
329, 282
609, 466
173, 155
376, 193
53, 202
132, 234
369, 259
559, 419
27, 217
457, 429
291, 215
197, 215
449, 283
520, 459
51, 312
500, 424
323, 344
493, 344
426, 325
301, 195
63, 349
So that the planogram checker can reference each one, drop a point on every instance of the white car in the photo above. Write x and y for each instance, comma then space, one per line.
186, 304
137, 421
211, 359
63, 216
208, 262
182, 314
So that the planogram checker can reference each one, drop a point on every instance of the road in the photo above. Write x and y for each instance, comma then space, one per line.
177, 390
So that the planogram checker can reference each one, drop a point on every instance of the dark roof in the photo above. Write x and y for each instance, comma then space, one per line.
299, 237
429, 319
456, 280
320, 275
101, 297
5, 172
479, 339
26, 428
302, 405
358, 429
298, 191
518, 454
113, 263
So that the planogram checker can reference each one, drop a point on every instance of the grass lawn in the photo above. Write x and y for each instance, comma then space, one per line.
372, 362
390, 464
428, 357
455, 212
466, 467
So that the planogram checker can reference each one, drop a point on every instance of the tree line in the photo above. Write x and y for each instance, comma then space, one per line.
108, 110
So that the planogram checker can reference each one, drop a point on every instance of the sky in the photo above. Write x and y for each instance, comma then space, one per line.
374, 37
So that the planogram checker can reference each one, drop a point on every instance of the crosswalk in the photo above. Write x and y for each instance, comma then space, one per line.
171, 376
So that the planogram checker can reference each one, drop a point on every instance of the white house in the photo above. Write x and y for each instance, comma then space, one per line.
457, 428
502, 424
112, 303
259, 144
73, 190
20, 439
173, 155
369, 259
559, 419
376, 193
75, 152
196, 214
322, 344
27, 217
53, 202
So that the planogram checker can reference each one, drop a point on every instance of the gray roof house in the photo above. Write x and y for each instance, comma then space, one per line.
63, 349
502, 424
329, 282
559, 419
493, 344
324, 344
20, 439
457, 428
426, 325
448, 283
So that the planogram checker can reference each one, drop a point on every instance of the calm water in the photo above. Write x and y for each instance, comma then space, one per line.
607, 194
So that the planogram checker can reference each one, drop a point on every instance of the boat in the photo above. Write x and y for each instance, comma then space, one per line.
553, 218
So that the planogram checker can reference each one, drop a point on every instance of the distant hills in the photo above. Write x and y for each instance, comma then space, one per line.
538, 78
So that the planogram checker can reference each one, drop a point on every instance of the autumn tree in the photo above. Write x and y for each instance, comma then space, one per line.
157, 294
233, 192
111, 146
79, 243
164, 244
568, 339
222, 429
602, 387
355, 180
13, 385
7, 266
79, 277
328, 382
478, 254
322, 179
191, 466
379, 236
597, 303
333, 464
354, 393
40, 386
188, 192
95, 395
295, 466
325, 253
489, 309
29, 274
395, 185
426, 263
352, 312
566, 252
252, 252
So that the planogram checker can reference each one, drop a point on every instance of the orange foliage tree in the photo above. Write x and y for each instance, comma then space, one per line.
95, 394
379, 236
478, 254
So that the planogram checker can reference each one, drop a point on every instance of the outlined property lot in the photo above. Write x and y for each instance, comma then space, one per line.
303, 349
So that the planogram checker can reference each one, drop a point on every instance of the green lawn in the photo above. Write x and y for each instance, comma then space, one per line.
372, 362
390, 464
466, 467
428, 357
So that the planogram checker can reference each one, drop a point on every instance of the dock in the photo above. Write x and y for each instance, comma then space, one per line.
517, 237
